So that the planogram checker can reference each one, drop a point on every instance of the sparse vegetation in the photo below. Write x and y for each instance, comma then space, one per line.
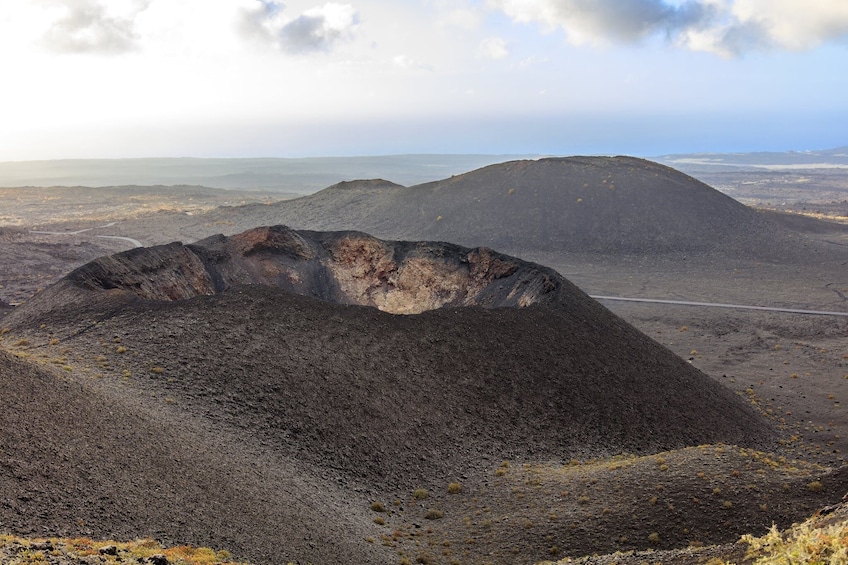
434, 514
420, 494
16, 550
805, 543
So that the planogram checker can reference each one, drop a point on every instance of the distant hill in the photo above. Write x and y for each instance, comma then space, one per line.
609, 205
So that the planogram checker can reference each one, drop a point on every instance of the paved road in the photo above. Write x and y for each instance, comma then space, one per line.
720, 305
135, 242
130, 240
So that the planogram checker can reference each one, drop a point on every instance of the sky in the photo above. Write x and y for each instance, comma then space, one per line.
262, 78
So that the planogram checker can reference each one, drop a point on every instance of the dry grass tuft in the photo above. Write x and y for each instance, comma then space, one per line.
420, 494
14, 549
433, 514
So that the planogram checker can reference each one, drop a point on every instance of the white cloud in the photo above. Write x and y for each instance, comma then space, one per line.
724, 27
492, 48
406, 62
316, 29
258, 19
596, 21
91, 26
793, 24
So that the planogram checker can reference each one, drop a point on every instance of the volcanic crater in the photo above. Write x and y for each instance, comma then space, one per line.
508, 351
345, 268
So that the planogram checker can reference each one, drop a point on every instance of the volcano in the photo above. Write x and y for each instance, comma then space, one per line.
345, 367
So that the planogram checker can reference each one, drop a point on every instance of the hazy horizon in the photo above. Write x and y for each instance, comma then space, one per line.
306, 175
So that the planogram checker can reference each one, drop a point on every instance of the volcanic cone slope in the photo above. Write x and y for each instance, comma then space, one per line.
609, 205
78, 459
390, 399
258, 392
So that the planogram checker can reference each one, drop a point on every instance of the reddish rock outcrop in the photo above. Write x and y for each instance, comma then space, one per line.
342, 267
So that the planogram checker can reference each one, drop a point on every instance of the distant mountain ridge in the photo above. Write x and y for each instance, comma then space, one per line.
295, 175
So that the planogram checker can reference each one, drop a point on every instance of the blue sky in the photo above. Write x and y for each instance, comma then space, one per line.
249, 78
